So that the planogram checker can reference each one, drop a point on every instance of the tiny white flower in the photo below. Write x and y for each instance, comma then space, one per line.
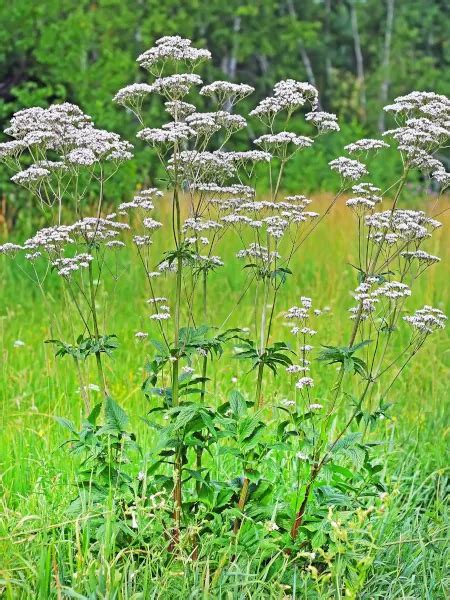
302, 456
271, 526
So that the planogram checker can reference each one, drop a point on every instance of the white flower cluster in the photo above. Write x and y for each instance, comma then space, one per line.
284, 214
170, 133
209, 262
142, 240
427, 319
421, 256
50, 239
53, 240
31, 176
401, 225
142, 200
289, 95
366, 200
203, 123
176, 86
348, 168
198, 224
258, 252
65, 267
209, 123
97, 230
65, 129
233, 190
417, 103
323, 121
277, 142
11, 149
162, 310
172, 49
10, 249
368, 295
201, 167
178, 109
365, 145
250, 156
393, 290
132, 95
151, 224
227, 92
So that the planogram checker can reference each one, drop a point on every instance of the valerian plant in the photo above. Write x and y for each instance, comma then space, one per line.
239, 467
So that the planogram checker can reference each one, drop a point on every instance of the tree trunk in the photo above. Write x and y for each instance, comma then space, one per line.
303, 52
384, 88
359, 60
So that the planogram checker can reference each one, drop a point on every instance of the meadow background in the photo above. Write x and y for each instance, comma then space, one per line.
360, 54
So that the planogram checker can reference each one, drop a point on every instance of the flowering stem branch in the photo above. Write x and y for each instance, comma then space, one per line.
315, 471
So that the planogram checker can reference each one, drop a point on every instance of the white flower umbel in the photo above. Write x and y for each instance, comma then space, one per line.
349, 169
323, 121
426, 320
172, 49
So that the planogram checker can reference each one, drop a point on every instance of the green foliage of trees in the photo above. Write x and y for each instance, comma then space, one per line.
359, 53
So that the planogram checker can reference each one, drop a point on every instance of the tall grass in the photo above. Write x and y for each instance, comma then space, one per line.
406, 555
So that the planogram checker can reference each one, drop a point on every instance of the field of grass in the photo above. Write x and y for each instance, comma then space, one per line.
44, 552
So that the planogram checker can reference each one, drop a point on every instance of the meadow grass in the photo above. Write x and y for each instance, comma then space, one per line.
44, 553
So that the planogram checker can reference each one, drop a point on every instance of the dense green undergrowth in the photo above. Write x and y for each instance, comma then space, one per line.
396, 550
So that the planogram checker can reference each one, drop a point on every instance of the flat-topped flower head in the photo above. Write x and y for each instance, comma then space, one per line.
66, 267
169, 134
304, 382
31, 176
52, 127
283, 144
323, 121
223, 191
178, 109
365, 145
172, 49
426, 103
400, 225
226, 92
393, 290
11, 150
174, 87
349, 169
426, 320
361, 205
203, 167
133, 95
289, 95
420, 256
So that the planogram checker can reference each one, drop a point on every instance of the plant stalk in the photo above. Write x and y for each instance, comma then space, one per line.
98, 358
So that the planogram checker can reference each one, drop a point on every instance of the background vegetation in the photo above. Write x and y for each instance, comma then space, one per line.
360, 54
409, 554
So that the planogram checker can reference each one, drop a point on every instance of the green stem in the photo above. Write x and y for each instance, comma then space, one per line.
98, 358
178, 464
258, 395
199, 450
241, 504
